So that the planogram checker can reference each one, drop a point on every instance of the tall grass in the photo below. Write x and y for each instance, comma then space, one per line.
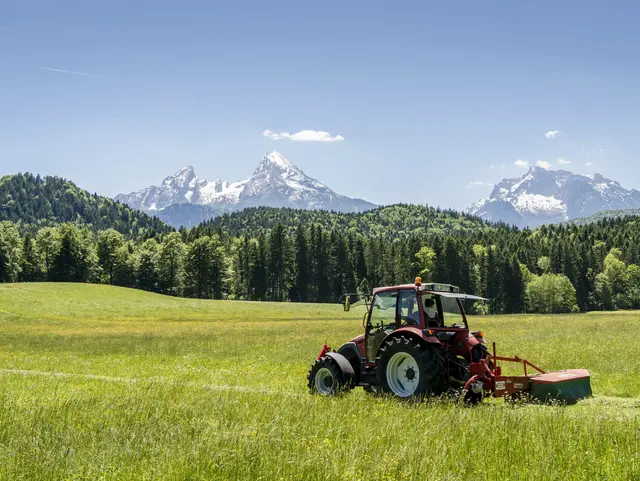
108, 383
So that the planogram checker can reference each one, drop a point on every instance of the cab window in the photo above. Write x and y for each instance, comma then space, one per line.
383, 312
452, 316
409, 312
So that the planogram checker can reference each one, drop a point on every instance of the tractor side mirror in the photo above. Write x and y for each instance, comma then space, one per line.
347, 303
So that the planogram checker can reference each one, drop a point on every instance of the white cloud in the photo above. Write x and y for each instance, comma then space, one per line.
492, 166
563, 161
588, 163
523, 164
543, 164
304, 136
552, 134
478, 183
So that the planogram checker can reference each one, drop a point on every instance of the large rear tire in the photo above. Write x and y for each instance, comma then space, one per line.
327, 379
409, 370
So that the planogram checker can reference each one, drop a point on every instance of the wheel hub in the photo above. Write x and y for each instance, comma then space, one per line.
324, 381
403, 374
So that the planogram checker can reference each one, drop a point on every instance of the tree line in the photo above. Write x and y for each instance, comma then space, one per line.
391, 221
556, 268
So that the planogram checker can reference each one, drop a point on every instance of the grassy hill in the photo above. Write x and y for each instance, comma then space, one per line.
34, 201
98, 382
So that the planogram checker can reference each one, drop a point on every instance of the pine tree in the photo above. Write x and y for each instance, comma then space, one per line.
360, 261
277, 263
31, 264
76, 260
204, 265
302, 266
514, 287
259, 272
321, 264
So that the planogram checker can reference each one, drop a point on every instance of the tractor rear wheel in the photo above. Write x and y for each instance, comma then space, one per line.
327, 379
407, 369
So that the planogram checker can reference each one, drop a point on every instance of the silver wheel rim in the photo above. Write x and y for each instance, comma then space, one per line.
403, 374
324, 381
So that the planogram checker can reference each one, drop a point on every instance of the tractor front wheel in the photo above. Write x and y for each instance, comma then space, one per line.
326, 378
408, 370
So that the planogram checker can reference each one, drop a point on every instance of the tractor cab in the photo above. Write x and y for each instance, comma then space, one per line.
429, 310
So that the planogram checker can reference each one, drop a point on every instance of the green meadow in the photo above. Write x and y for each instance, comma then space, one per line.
99, 382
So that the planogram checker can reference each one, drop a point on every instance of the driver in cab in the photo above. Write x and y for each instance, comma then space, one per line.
430, 313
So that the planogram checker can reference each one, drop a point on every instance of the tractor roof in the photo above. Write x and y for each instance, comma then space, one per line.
433, 287
444, 290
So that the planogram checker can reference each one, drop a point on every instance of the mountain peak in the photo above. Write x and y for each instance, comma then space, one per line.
278, 159
187, 170
276, 182
182, 177
542, 196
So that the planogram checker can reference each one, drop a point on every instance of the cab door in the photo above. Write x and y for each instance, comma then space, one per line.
389, 311
382, 321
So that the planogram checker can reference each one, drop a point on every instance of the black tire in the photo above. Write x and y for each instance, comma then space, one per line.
327, 379
424, 363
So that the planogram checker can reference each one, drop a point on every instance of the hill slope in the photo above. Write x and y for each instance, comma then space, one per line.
89, 303
26, 199
392, 221
607, 214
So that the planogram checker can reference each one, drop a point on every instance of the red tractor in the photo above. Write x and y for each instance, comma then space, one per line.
417, 343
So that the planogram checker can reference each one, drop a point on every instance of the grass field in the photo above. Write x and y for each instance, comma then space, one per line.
108, 383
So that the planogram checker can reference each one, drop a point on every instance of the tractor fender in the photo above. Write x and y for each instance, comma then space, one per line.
344, 365
415, 333
353, 355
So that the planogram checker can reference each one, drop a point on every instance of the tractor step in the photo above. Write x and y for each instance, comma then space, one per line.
565, 386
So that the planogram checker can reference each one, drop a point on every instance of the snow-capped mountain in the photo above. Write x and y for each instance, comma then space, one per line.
546, 196
183, 199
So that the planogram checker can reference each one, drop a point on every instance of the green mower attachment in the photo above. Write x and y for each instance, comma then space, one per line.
563, 386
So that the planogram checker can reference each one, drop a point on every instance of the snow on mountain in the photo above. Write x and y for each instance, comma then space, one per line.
546, 196
276, 182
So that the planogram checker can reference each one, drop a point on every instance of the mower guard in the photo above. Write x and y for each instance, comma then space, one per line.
565, 386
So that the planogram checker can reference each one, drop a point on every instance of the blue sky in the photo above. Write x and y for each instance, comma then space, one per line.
427, 95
